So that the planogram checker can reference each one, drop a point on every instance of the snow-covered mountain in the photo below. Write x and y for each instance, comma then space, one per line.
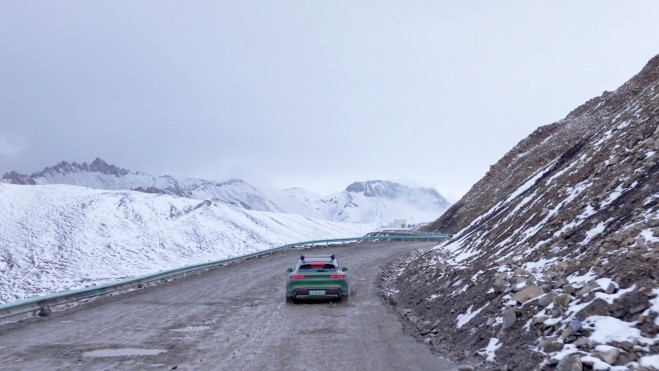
60, 237
372, 201
100, 175
554, 258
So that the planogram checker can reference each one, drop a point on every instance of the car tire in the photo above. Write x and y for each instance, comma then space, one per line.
344, 299
290, 299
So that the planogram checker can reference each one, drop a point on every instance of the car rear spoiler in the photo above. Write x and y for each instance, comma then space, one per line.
331, 257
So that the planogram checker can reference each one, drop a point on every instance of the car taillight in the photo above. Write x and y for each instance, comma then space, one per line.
296, 277
337, 276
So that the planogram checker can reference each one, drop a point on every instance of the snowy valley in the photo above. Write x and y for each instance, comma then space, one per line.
73, 225
60, 237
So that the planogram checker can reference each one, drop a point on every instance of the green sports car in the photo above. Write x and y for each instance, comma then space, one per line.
317, 277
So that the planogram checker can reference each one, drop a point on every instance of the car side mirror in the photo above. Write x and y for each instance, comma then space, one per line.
289, 270
344, 269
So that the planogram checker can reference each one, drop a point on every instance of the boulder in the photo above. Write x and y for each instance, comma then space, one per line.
562, 300
527, 293
570, 363
574, 325
607, 353
638, 308
539, 319
590, 286
521, 272
500, 286
392, 300
554, 346
424, 326
546, 300
581, 342
509, 318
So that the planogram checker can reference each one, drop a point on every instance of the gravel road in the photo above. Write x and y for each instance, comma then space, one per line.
229, 318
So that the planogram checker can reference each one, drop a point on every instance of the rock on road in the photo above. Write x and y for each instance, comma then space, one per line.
229, 318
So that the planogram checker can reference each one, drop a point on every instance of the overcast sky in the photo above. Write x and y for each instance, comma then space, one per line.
315, 94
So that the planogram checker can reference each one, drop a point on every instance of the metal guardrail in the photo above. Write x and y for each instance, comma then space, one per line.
40, 302
409, 232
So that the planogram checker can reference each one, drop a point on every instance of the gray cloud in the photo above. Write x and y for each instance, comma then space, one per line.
305, 93
10, 146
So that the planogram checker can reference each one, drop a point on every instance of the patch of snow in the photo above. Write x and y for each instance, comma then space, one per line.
463, 289
608, 329
649, 236
650, 361
474, 278
598, 364
605, 282
613, 196
464, 318
580, 280
567, 350
464, 255
529, 183
599, 228
609, 298
561, 172
539, 265
491, 349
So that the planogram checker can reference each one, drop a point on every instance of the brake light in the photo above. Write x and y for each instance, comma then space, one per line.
296, 277
317, 264
337, 276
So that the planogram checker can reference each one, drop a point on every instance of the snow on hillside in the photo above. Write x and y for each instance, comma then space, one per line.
553, 262
60, 237
100, 175
366, 202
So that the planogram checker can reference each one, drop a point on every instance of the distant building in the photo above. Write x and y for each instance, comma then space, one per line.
398, 223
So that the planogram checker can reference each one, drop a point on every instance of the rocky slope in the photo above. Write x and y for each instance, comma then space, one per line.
554, 258
60, 237
101, 175
373, 201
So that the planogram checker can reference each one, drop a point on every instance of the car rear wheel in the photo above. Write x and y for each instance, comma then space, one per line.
344, 298
290, 299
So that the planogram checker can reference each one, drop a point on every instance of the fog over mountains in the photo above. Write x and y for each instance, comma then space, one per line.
378, 202
373, 201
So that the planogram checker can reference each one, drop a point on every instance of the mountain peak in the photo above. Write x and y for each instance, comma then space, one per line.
376, 188
97, 166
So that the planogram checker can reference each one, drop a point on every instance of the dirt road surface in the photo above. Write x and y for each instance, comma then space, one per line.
229, 318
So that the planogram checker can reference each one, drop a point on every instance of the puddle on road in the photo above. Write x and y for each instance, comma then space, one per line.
123, 352
192, 329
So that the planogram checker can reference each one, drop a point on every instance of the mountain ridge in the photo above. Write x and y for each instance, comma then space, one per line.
101, 175
552, 262
373, 201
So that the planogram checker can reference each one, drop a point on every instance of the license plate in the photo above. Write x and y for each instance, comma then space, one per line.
316, 292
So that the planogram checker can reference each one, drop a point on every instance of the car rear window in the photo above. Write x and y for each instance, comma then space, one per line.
317, 267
